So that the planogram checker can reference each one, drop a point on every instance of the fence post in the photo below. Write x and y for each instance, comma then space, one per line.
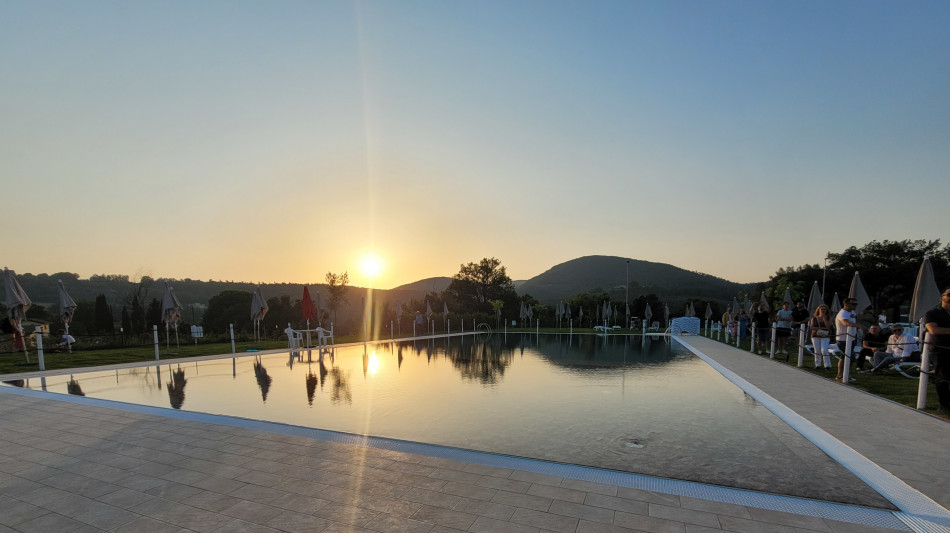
772, 345
155, 339
233, 349
801, 346
846, 357
39, 347
924, 376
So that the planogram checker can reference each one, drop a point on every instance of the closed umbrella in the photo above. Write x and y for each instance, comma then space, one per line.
788, 297
319, 307
17, 303
926, 293
307, 310
814, 298
835, 304
648, 316
765, 302
858, 293
171, 312
692, 309
709, 312
735, 306
66, 309
258, 310
666, 314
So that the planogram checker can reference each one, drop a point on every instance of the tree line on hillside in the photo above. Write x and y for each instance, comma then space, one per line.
888, 272
482, 292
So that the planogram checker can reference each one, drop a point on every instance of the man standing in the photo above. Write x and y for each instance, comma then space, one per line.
760, 320
845, 320
783, 327
937, 322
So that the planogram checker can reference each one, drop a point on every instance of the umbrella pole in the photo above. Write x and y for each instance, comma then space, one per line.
166, 335
177, 345
69, 345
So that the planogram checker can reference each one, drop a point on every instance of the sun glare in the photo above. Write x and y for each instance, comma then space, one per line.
371, 266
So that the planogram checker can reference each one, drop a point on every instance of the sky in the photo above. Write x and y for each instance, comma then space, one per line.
266, 141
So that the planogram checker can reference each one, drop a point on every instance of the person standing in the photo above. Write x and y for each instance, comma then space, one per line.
937, 322
761, 322
783, 327
727, 320
845, 320
820, 326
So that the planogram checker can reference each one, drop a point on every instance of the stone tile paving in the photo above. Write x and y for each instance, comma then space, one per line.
73, 467
909, 444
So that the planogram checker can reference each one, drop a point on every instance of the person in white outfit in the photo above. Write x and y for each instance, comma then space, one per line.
820, 325
900, 347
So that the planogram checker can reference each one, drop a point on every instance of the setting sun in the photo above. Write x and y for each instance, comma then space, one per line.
371, 266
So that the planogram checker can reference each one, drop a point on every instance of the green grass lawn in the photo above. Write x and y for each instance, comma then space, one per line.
888, 384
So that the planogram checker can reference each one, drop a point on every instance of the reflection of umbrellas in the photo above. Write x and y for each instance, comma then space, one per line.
814, 298
263, 380
171, 311
926, 292
176, 389
858, 293
258, 310
311, 386
17, 303
835, 305
72, 387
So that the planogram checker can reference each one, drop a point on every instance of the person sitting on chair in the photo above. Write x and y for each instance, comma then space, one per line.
874, 341
900, 347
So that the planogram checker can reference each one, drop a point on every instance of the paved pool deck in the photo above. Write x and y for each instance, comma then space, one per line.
78, 464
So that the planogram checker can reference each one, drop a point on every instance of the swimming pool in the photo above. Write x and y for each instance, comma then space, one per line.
624, 403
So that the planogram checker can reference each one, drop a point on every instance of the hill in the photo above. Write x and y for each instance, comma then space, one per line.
437, 284
609, 273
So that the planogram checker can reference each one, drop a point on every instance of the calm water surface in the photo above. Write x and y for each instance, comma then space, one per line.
619, 402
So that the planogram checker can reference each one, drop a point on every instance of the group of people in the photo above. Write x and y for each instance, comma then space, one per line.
880, 346
785, 319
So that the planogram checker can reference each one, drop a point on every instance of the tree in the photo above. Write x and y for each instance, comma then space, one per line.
126, 320
153, 316
336, 285
226, 308
477, 284
888, 272
104, 323
137, 317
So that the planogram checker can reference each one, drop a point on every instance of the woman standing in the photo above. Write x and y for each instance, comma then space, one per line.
821, 335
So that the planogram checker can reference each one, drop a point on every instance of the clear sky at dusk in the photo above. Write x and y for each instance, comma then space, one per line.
277, 141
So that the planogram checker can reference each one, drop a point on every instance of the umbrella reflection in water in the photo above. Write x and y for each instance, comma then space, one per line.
176, 388
312, 381
72, 387
263, 380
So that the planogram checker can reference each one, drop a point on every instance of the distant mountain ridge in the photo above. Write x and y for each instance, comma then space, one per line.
609, 273
436, 284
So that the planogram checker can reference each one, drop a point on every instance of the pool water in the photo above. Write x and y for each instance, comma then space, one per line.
629, 403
